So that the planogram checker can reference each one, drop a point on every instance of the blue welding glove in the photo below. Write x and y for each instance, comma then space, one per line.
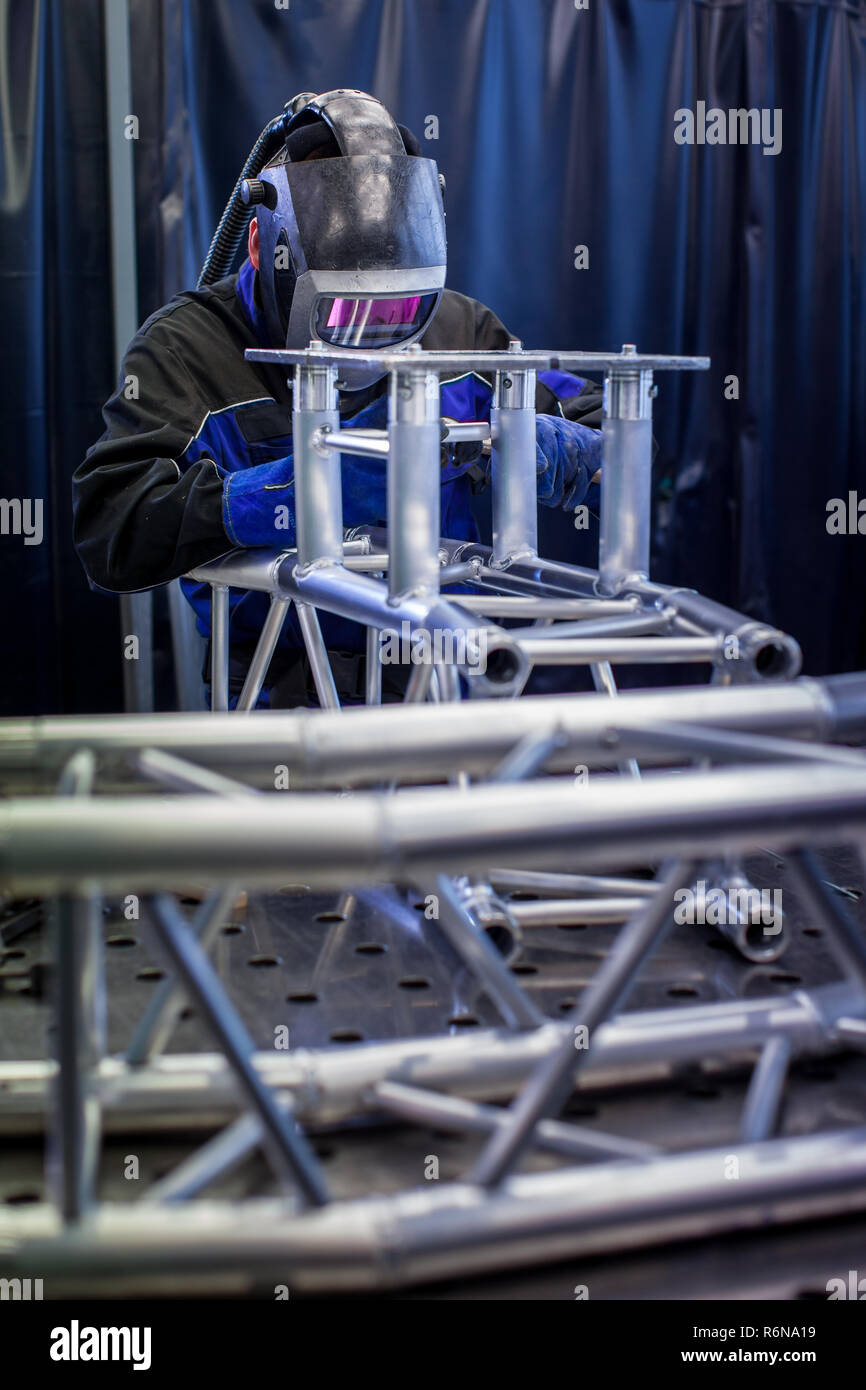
259, 504
567, 455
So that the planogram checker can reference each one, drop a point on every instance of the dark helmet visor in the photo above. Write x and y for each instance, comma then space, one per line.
371, 323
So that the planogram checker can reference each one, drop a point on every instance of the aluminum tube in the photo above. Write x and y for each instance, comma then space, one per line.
529, 756
550, 1084
162, 1014
576, 911
184, 776
329, 1084
468, 1117
265, 648
421, 1235
549, 574
603, 679
567, 885
512, 465
465, 431
285, 1144
149, 842
369, 443
318, 491
220, 1155
72, 1153
626, 478
628, 625
484, 654
852, 1032
187, 650
318, 747
457, 574
73, 1156
414, 481
515, 606
320, 664
583, 651
759, 651
373, 669
219, 648
243, 569
367, 564
418, 685
473, 946
764, 652
720, 746
704, 614
756, 937
766, 1091
445, 673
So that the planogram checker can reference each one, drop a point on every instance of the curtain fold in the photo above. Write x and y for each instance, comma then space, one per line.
554, 127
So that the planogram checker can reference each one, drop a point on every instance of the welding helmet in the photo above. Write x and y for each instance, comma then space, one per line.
351, 231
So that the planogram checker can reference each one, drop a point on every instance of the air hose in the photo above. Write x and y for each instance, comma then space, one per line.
233, 223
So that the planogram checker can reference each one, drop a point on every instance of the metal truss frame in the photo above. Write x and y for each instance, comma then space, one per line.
462, 794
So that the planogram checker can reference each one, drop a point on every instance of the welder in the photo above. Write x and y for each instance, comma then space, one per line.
347, 246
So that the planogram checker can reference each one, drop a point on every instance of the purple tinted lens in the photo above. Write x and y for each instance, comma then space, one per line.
347, 312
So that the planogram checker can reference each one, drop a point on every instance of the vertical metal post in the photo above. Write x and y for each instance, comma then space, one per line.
136, 610
414, 435
187, 645
626, 477
80, 1032
219, 647
318, 486
513, 471
80, 1003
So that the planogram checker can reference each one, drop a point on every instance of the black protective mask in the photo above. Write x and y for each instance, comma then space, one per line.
351, 247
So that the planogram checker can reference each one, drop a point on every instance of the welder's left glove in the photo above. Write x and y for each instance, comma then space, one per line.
567, 457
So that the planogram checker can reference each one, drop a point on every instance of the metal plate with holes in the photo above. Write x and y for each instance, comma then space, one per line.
336, 971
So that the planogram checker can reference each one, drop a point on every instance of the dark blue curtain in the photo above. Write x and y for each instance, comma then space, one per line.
59, 644
554, 127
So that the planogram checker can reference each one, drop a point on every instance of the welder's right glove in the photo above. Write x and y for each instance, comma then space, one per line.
259, 504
